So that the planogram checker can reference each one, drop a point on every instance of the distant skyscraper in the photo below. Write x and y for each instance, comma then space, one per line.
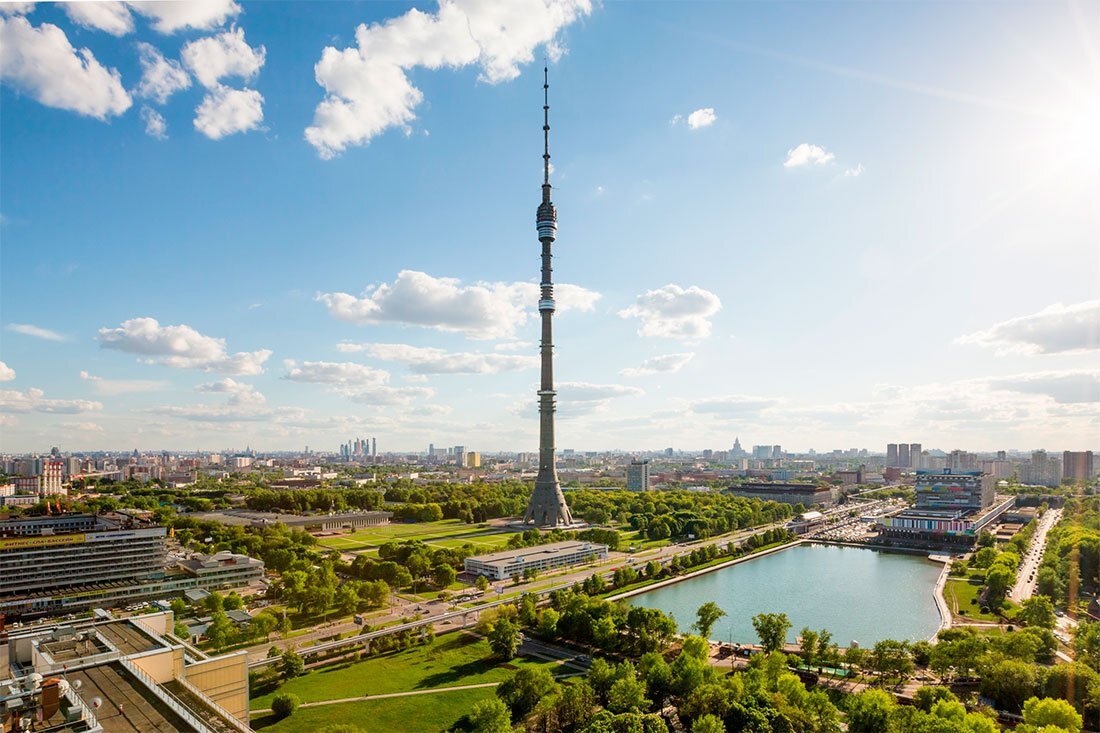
1077, 465
903, 455
374, 447
915, 450
547, 507
637, 476
738, 451
891, 454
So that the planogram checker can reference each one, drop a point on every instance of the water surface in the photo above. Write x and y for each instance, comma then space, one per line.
857, 594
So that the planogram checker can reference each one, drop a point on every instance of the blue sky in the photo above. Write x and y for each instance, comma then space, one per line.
821, 225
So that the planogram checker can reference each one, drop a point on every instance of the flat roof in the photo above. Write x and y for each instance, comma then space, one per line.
245, 517
128, 707
128, 638
538, 552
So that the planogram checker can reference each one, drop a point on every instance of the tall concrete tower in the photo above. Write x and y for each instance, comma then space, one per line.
547, 507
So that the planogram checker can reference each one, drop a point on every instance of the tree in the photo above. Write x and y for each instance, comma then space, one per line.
1087, 644
575, 706
772, 629
213, 602
528, 611
179, 607
998, 580
284, 704
890, 657
1046, 711
808, 644
347, 598
490, 716
504, 638
548, 622
869, 711
1009, 683
292, 664
219, 630
482, 583
706, 616
233, 602
708, 724
524, 690
929, 695
443, 575
262, 625
627, 695
1037, 611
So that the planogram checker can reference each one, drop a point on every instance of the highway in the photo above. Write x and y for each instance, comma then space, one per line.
1029, 563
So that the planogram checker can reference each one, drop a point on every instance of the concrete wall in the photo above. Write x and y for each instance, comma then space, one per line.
225, 681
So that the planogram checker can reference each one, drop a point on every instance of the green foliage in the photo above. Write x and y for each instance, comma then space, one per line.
706, 616
1037, 611
627, 694
504, 638
292, 664
524, 690
772, 630
284, 704
490, 716
708, 724
1059, 713
869, 711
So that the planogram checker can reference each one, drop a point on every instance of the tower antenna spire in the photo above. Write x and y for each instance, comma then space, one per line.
545, 132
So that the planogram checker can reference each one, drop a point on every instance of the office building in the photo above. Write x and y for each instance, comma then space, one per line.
892, 454
473, 459
1078, 465
512, 563
952, 508
915, 450
903, 455
949, 489
637, 476
805, 494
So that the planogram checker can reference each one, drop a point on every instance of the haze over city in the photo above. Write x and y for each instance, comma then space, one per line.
820, 226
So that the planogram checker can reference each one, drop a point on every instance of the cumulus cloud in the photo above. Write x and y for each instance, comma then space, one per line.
1067, 387
213, 58
16, 8
239, 393
1057, 329
700, 118
169, 16
383, 396
589, 392
854, 172
6, 372
41, 62
214, 413
663, 364
104, 15
733, 405
122, 386
367, 89
155, 124
28, 329
342, 373
423, 360
181, 347
483, 310
34, 400
160, 77
225, 111
674, 312
807, 154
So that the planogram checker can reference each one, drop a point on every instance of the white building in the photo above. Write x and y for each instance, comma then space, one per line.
510, 563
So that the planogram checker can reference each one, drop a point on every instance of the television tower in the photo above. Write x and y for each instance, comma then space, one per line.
547, 507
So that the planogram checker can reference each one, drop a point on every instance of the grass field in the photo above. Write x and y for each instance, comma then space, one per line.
444, 534
454, 659
415, 714
958, 593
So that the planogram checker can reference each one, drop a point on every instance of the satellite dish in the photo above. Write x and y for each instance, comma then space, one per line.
97, 702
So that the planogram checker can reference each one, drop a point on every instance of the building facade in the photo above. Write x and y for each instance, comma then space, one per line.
966, 490
805, 494
637, 476
512, 563
1078, 465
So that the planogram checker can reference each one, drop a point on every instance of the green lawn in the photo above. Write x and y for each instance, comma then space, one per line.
958, 592
446, 530
413, 714
454, 659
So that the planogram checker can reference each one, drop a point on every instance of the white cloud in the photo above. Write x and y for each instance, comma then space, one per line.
34, 400
1057, 329
1067, 387
700, 118
104, 15
155, 124
422, 360
170, 16
342, 373
674, 312
589, 392
113, 387
480, 311
225, 111
160, 77
239, 393
733, 405
676, 119
42, 62
663, 364
807, 154
854, 172
28, 329
6, 372
214, 413
367, 89
181, 347
82, 427
213, 58
382, 396
16, 8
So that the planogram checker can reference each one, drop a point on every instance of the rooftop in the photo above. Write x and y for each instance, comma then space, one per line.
531, 554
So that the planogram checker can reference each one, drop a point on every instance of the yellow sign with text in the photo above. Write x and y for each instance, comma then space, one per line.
45, 540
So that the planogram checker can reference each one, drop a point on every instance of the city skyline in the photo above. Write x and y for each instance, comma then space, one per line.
749, 247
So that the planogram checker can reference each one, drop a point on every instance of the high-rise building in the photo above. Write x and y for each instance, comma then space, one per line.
52, 471
637, 476
891, 454
737, 451
374, 447
547, 507
915, 450
903, 455
473, 459
950, 489
1077, 465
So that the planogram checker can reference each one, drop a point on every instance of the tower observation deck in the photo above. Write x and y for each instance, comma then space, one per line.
547, 507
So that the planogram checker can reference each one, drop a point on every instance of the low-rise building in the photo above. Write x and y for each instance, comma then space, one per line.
805, 494
510, 563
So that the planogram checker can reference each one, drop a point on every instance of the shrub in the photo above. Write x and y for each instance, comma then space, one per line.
284, 704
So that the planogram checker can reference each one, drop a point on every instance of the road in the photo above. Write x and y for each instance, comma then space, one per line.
1029, 563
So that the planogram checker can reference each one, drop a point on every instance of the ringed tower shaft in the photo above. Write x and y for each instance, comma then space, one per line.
547, 507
